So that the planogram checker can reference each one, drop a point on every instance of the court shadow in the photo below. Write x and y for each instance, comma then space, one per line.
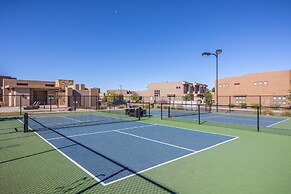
34, 154
147, 180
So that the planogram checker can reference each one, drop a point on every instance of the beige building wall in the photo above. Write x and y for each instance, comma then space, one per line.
272, 86
165, 91
14, 89
26, 92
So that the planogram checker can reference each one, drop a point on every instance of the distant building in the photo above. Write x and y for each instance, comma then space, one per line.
1, 85
270, 87
60, 92
165, 91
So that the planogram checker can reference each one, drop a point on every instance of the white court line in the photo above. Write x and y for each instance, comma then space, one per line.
278, 122
156, 141
98, 132
68, 157
161, 164
71, 119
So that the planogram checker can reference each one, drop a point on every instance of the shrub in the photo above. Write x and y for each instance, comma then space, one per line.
103, 107
243, 105
255, 105
267, 112
121, 106
231, 105
286, 113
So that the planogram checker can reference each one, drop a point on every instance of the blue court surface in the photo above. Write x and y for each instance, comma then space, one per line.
113, 152
248, 120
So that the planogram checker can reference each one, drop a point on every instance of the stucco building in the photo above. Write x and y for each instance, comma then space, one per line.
174, 91
271, 88
60, 92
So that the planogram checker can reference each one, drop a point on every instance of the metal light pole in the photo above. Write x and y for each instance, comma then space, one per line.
218, 52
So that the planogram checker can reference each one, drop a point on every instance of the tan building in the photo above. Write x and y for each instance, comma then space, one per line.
271, 88
174, 91
60, 92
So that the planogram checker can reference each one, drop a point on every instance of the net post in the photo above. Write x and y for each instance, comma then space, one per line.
258, 119
199, 114
25, 121
161, 111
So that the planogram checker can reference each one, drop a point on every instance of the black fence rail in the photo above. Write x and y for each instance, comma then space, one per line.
255, 118
19, 104
256, 100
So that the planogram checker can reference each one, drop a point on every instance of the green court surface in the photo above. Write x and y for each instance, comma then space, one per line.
253, 163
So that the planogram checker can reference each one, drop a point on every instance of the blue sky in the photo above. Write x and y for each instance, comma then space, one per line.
105, 43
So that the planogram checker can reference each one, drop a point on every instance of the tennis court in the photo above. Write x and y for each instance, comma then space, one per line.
236, 119
113, 151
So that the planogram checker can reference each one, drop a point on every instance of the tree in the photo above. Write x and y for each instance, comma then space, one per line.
208, 96
213, 89
111, 95
187, 97
135, 96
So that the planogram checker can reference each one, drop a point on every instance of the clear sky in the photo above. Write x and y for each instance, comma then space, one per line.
105, 43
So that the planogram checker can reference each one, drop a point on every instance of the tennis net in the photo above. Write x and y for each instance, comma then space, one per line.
187, 110
58, 120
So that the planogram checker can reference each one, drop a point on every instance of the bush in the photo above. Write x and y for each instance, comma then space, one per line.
243, 105
103, 107
268, 112
255, 105
231, 105
286, 113
121, 106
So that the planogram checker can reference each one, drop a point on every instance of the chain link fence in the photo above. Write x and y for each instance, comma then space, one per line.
255, 118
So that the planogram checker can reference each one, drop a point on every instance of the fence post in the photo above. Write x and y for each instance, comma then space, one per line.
149, 109
50, 98
229, 103
199, 114
258, 119
139, 113
161, 111
169, 112
20, 104
260, 102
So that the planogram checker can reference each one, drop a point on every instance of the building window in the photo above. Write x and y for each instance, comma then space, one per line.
220, 85
265, 82
260, 82
157, 93
275, 97
49, 85
255, 83
240, 99
22, 84
236, 84
279, 97
178, 87
283, 97
226, 85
